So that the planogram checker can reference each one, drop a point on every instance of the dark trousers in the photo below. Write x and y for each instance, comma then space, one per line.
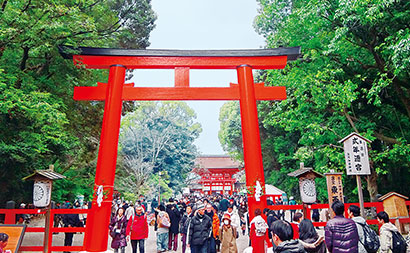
172, 239
200, 248
68, 239
211, 245
141, 245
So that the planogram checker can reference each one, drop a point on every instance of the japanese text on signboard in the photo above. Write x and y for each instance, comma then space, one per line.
334, 188
356, 155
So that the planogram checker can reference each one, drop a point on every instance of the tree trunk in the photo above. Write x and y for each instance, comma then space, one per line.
372, 183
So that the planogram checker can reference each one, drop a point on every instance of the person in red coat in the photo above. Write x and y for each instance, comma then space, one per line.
138, 228
297, 218
259, 233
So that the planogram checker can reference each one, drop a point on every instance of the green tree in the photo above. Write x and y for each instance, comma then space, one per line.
353, 76
40, 124
157, 137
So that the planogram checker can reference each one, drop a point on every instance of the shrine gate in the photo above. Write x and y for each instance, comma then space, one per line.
216, 173
116, 91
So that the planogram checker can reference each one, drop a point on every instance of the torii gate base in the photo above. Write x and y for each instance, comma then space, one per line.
118, 60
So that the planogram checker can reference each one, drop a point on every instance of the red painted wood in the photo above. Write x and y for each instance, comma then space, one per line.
98, 220
146, 62
35, 229
67, 248
31, 248
180, 93
181, 77
251, 138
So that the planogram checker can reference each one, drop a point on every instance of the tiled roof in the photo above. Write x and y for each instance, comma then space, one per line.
217, 162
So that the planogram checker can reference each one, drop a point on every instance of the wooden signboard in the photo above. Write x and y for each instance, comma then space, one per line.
356, 154
15, 233
334, 187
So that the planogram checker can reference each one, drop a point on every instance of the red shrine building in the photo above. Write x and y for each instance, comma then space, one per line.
216, 173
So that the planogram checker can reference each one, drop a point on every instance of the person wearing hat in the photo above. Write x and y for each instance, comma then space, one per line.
235, 220
137, 229
227, 235
200, 230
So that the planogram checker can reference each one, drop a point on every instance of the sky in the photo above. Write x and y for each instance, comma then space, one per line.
202, 24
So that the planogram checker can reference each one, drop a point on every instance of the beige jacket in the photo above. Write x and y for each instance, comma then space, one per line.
228, 239
386, 237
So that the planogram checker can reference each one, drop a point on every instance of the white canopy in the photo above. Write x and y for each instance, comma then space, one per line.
272, 190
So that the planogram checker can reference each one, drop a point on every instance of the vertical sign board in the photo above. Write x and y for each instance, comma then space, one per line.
334, 187
357, 161
356, 155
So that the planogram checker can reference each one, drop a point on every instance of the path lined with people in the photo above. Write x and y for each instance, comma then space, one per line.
221, 225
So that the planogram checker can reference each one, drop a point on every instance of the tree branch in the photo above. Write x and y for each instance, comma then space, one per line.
384, 138
348, 117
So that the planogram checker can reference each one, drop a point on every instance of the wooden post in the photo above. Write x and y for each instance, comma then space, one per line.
47, 221
360, 191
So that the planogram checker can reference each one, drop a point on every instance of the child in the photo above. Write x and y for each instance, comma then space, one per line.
4, 239
227, 236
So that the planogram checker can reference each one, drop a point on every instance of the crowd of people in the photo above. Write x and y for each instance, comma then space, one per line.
201, 225
213, 224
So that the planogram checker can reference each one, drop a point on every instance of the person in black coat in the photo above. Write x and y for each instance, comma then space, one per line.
199, 230
70, 220
174, 216
183, 226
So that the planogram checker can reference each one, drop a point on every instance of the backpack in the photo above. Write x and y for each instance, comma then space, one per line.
164, 220
399, 245
371, 241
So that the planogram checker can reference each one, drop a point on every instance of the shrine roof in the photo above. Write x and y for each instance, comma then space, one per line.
291, 52
49, 174
217, 162
300, 172
388, 195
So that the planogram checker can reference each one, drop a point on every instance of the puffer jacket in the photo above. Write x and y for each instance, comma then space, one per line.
199, 229
291, 246
341, 235
360, 222
138, 227
386, 237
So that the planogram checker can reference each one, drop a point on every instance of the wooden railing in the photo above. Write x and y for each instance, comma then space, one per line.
378, 205
10, 218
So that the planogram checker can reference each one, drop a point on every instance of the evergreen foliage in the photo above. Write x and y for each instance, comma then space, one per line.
40, 124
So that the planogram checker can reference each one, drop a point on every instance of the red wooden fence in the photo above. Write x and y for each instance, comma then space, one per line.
10, 215
10, 218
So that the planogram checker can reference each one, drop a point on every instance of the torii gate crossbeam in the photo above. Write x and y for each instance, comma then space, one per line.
116, 91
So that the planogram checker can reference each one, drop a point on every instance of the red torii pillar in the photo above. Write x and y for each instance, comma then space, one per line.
113, 93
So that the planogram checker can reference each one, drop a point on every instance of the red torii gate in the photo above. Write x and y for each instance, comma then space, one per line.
115, 91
